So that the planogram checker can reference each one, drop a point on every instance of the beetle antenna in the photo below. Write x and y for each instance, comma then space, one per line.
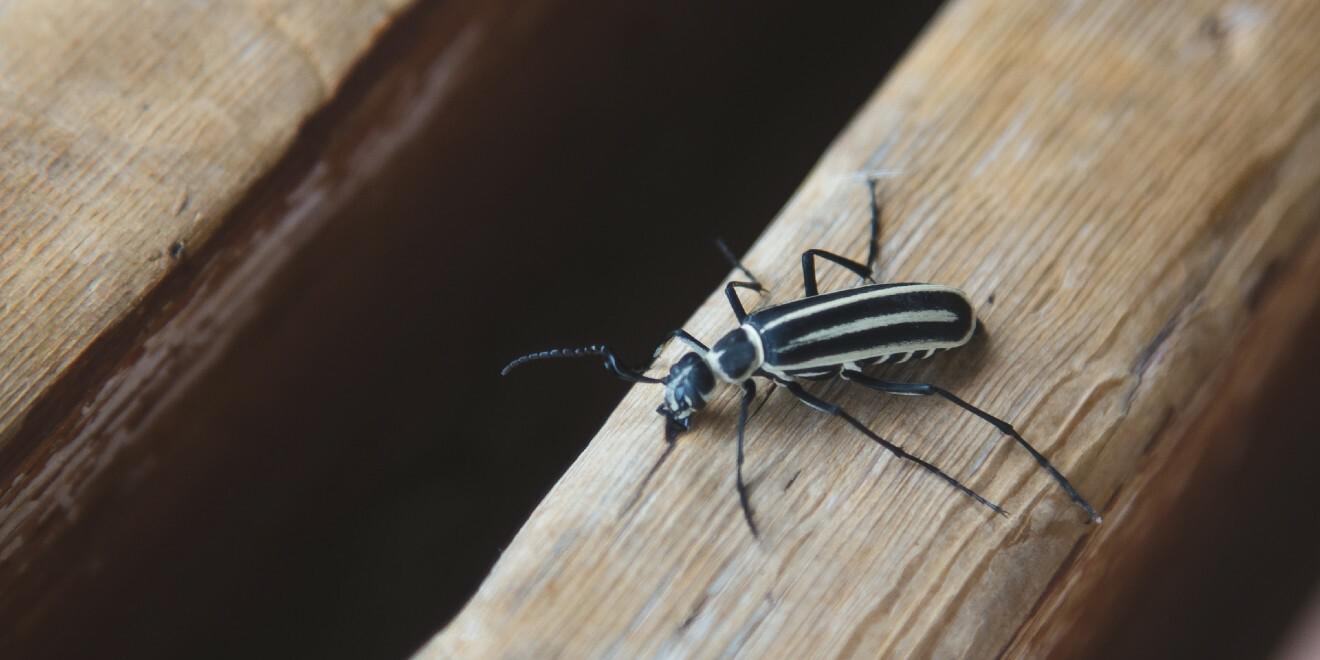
599, 350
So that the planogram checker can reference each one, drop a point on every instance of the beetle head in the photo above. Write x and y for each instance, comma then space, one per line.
687, 388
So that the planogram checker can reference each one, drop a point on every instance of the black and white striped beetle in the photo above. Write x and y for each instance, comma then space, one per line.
816, 337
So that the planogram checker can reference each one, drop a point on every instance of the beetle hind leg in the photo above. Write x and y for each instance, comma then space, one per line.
925, 389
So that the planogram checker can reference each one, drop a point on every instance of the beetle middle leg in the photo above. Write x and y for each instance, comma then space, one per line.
925, 389
865, 271
809, 285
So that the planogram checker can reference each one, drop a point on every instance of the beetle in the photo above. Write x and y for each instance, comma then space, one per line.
816, 337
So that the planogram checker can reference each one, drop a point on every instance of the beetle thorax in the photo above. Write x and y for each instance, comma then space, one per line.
737, 355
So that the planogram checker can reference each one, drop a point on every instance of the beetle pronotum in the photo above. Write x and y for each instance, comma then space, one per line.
819, 336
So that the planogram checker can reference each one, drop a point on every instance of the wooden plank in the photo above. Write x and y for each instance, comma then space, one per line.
1110, 182
1219, 548
126, 135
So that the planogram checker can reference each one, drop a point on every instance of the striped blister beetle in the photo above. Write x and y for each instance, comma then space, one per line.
820, 336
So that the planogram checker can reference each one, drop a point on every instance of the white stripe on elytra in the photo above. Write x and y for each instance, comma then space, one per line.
872, 322
868, 353
850, 299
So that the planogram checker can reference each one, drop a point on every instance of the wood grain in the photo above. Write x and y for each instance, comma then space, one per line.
1118, 179
1219, 549
126, 133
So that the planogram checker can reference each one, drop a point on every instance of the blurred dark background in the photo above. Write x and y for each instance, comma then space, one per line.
368, 464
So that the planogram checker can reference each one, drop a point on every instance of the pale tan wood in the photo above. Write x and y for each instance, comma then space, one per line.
1198, 513
1117, 176
128, 128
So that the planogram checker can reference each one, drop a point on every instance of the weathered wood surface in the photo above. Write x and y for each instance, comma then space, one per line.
1217, 554
1112, 183
126, 134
